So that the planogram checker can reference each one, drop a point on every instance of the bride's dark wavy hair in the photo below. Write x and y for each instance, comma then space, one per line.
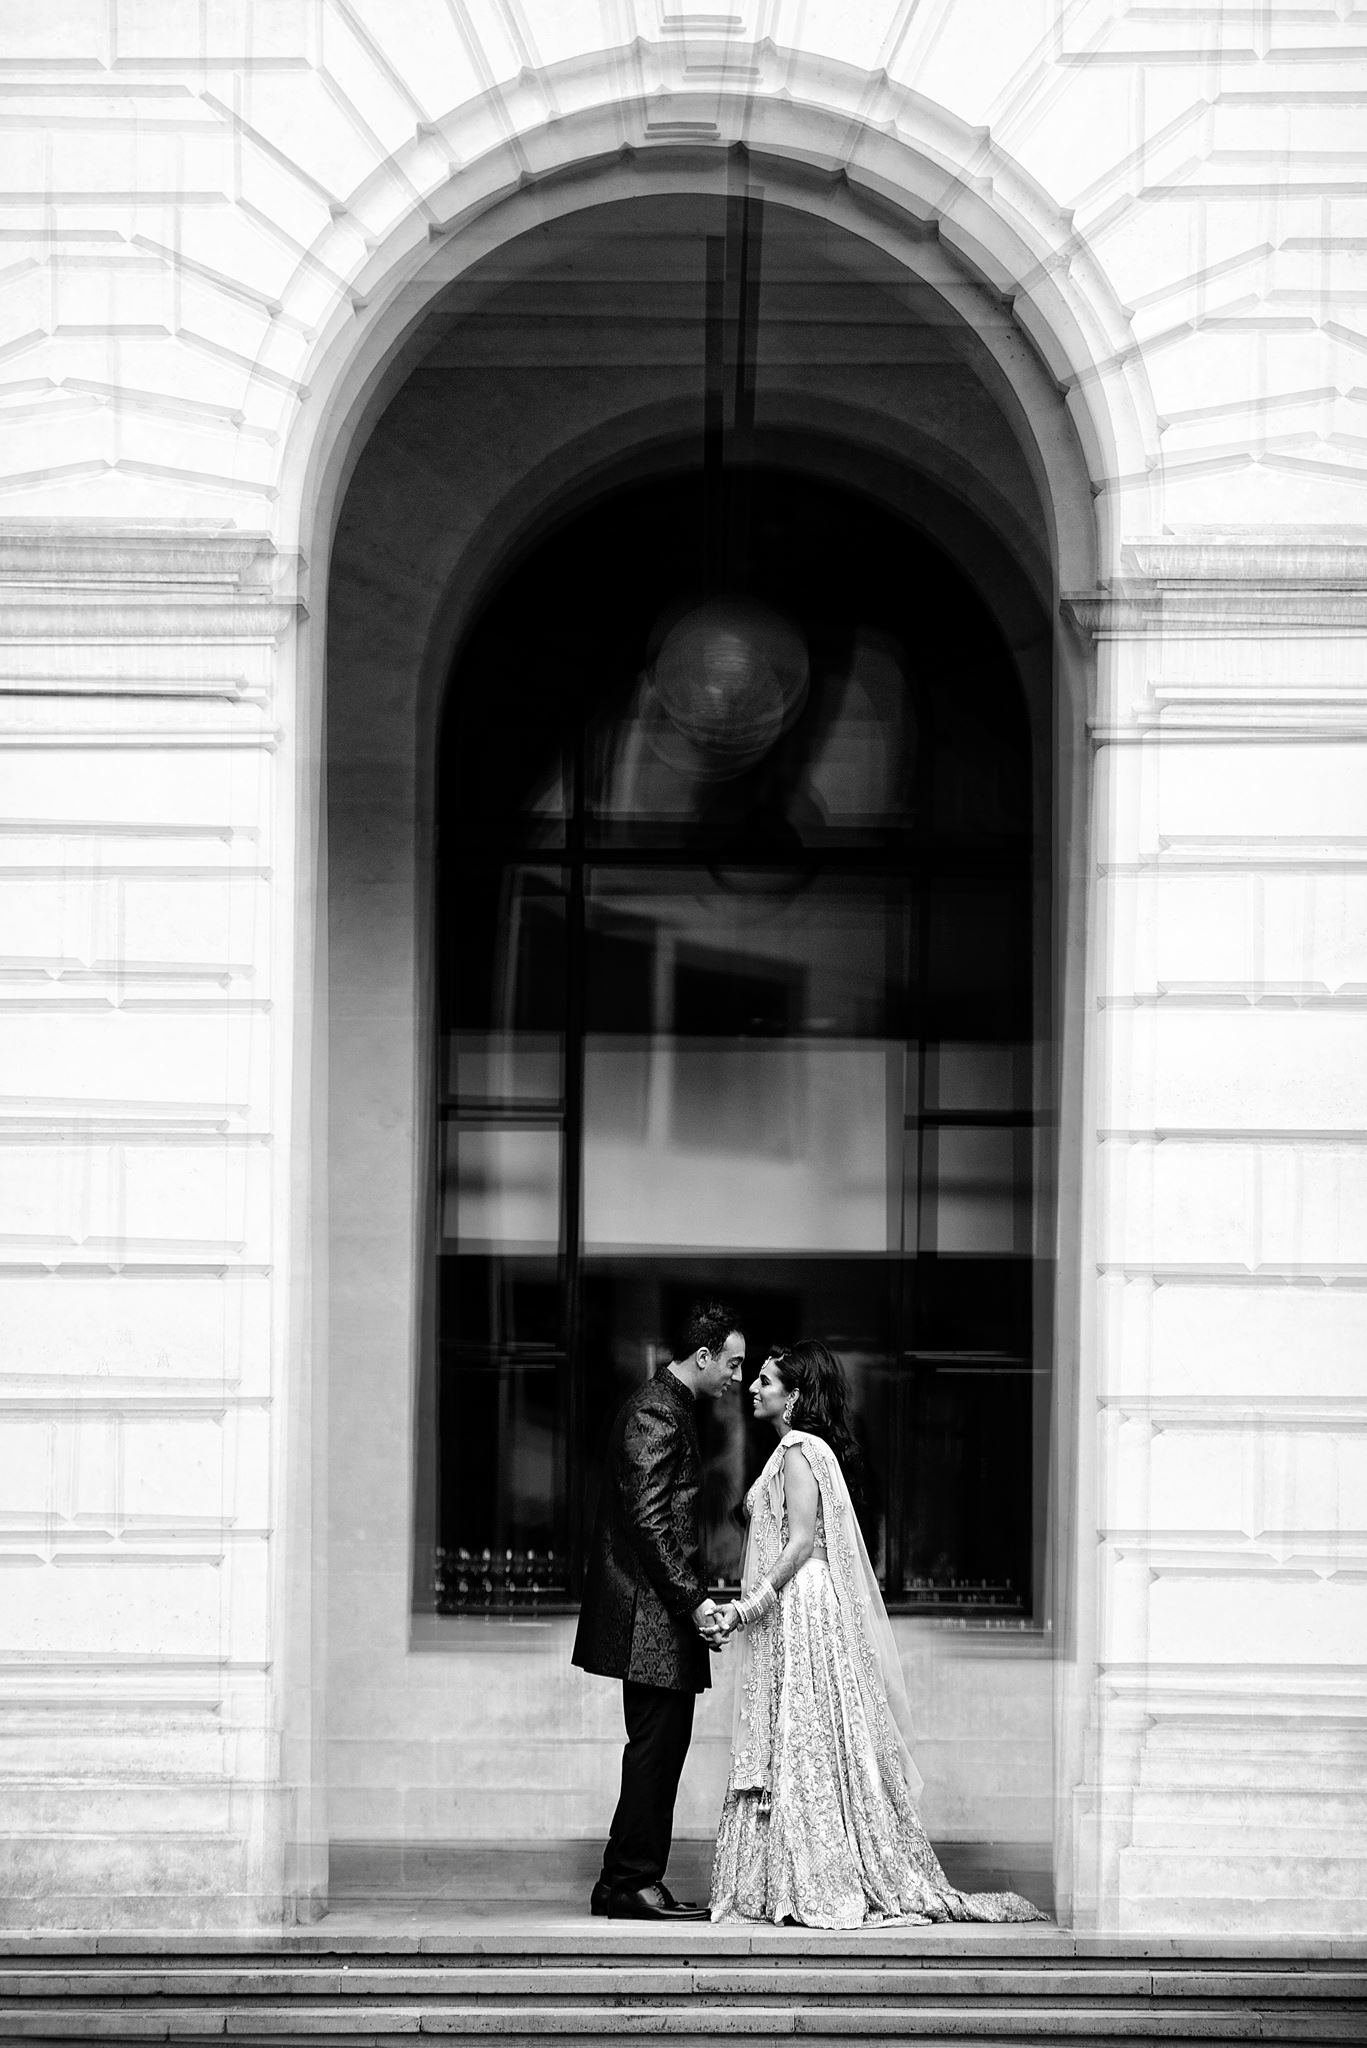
812, 1371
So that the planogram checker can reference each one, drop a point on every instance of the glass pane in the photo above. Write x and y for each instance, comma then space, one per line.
510, 736
496, 1307
514, 1067
501, 764
964, 1536
502, 1189
736, 725
731, 1144
739, 1092
862, 754
780, 1053
504, 960
627, 1304
974, 1194
768, 953
977, 968
977, 1076
504, 1529
975, 1307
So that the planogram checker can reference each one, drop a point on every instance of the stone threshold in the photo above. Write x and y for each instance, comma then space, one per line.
514, 1929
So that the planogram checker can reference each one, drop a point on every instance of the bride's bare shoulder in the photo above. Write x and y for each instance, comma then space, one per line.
799, 1473
814, 1450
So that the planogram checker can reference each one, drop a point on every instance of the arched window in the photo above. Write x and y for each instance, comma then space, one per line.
736, 999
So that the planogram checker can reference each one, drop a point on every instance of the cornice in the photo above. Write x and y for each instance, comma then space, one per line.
1289, 561
128, 550
61, 580
1221, 584
1126, 612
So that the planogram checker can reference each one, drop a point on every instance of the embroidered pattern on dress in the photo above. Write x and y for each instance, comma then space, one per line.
819, 1823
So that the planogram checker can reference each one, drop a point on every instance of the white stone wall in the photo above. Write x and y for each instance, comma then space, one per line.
1227, 1735
148, 974
220, 224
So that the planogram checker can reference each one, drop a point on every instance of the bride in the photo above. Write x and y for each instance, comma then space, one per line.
820, 1823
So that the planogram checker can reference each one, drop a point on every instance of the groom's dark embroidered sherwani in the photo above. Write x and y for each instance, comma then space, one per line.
644, 1580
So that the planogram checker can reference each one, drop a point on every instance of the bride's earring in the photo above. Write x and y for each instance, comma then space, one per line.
788, 1407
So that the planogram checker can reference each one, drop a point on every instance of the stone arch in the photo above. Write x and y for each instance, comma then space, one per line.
1070, 391
968, 224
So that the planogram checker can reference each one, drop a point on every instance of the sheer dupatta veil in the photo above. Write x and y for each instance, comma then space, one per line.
875, 1659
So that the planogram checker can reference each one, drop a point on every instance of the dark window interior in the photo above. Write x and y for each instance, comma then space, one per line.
762, 1031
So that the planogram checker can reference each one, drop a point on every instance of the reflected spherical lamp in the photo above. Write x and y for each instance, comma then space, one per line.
731, 676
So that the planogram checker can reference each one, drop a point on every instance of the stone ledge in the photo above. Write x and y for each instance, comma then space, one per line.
76, 553
977, 2025
849, 1974
834, 2005
1289, 559
66, 581
509, 1930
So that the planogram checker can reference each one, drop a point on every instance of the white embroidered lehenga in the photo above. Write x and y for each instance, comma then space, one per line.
820, 1823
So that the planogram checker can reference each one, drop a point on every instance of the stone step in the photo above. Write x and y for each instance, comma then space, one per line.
846, 1998
820, 1978
529, 2024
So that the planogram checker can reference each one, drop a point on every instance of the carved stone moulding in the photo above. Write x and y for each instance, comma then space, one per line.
1291, 582
66, 580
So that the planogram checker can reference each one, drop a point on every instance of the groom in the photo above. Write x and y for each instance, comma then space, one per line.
646, 1617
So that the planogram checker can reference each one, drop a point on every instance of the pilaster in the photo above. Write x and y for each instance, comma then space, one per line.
146, 883
1222, 1790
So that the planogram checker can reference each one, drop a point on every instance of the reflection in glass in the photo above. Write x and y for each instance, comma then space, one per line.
506, 1543
522, 1067
502, 1189
977, 969
975, 1191
745, 1110
761, 1026
738, 1145
778, 953
983, 1077
731, 723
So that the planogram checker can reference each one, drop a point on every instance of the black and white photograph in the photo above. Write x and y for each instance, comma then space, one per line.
683, 1018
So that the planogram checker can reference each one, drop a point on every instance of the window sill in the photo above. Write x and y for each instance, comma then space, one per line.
507, 1629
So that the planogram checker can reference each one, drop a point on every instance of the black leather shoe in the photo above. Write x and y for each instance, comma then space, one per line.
599, 1896
651, 1902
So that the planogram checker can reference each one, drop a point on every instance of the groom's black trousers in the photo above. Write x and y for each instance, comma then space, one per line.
659, 1725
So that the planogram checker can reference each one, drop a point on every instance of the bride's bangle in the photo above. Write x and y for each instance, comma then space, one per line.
755, 1606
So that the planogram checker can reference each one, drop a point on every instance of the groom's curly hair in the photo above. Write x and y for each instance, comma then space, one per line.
703, 1323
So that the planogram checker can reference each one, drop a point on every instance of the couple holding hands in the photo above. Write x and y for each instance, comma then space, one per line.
819, 1826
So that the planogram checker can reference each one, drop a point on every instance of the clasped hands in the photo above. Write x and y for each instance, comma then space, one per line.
715, 1624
